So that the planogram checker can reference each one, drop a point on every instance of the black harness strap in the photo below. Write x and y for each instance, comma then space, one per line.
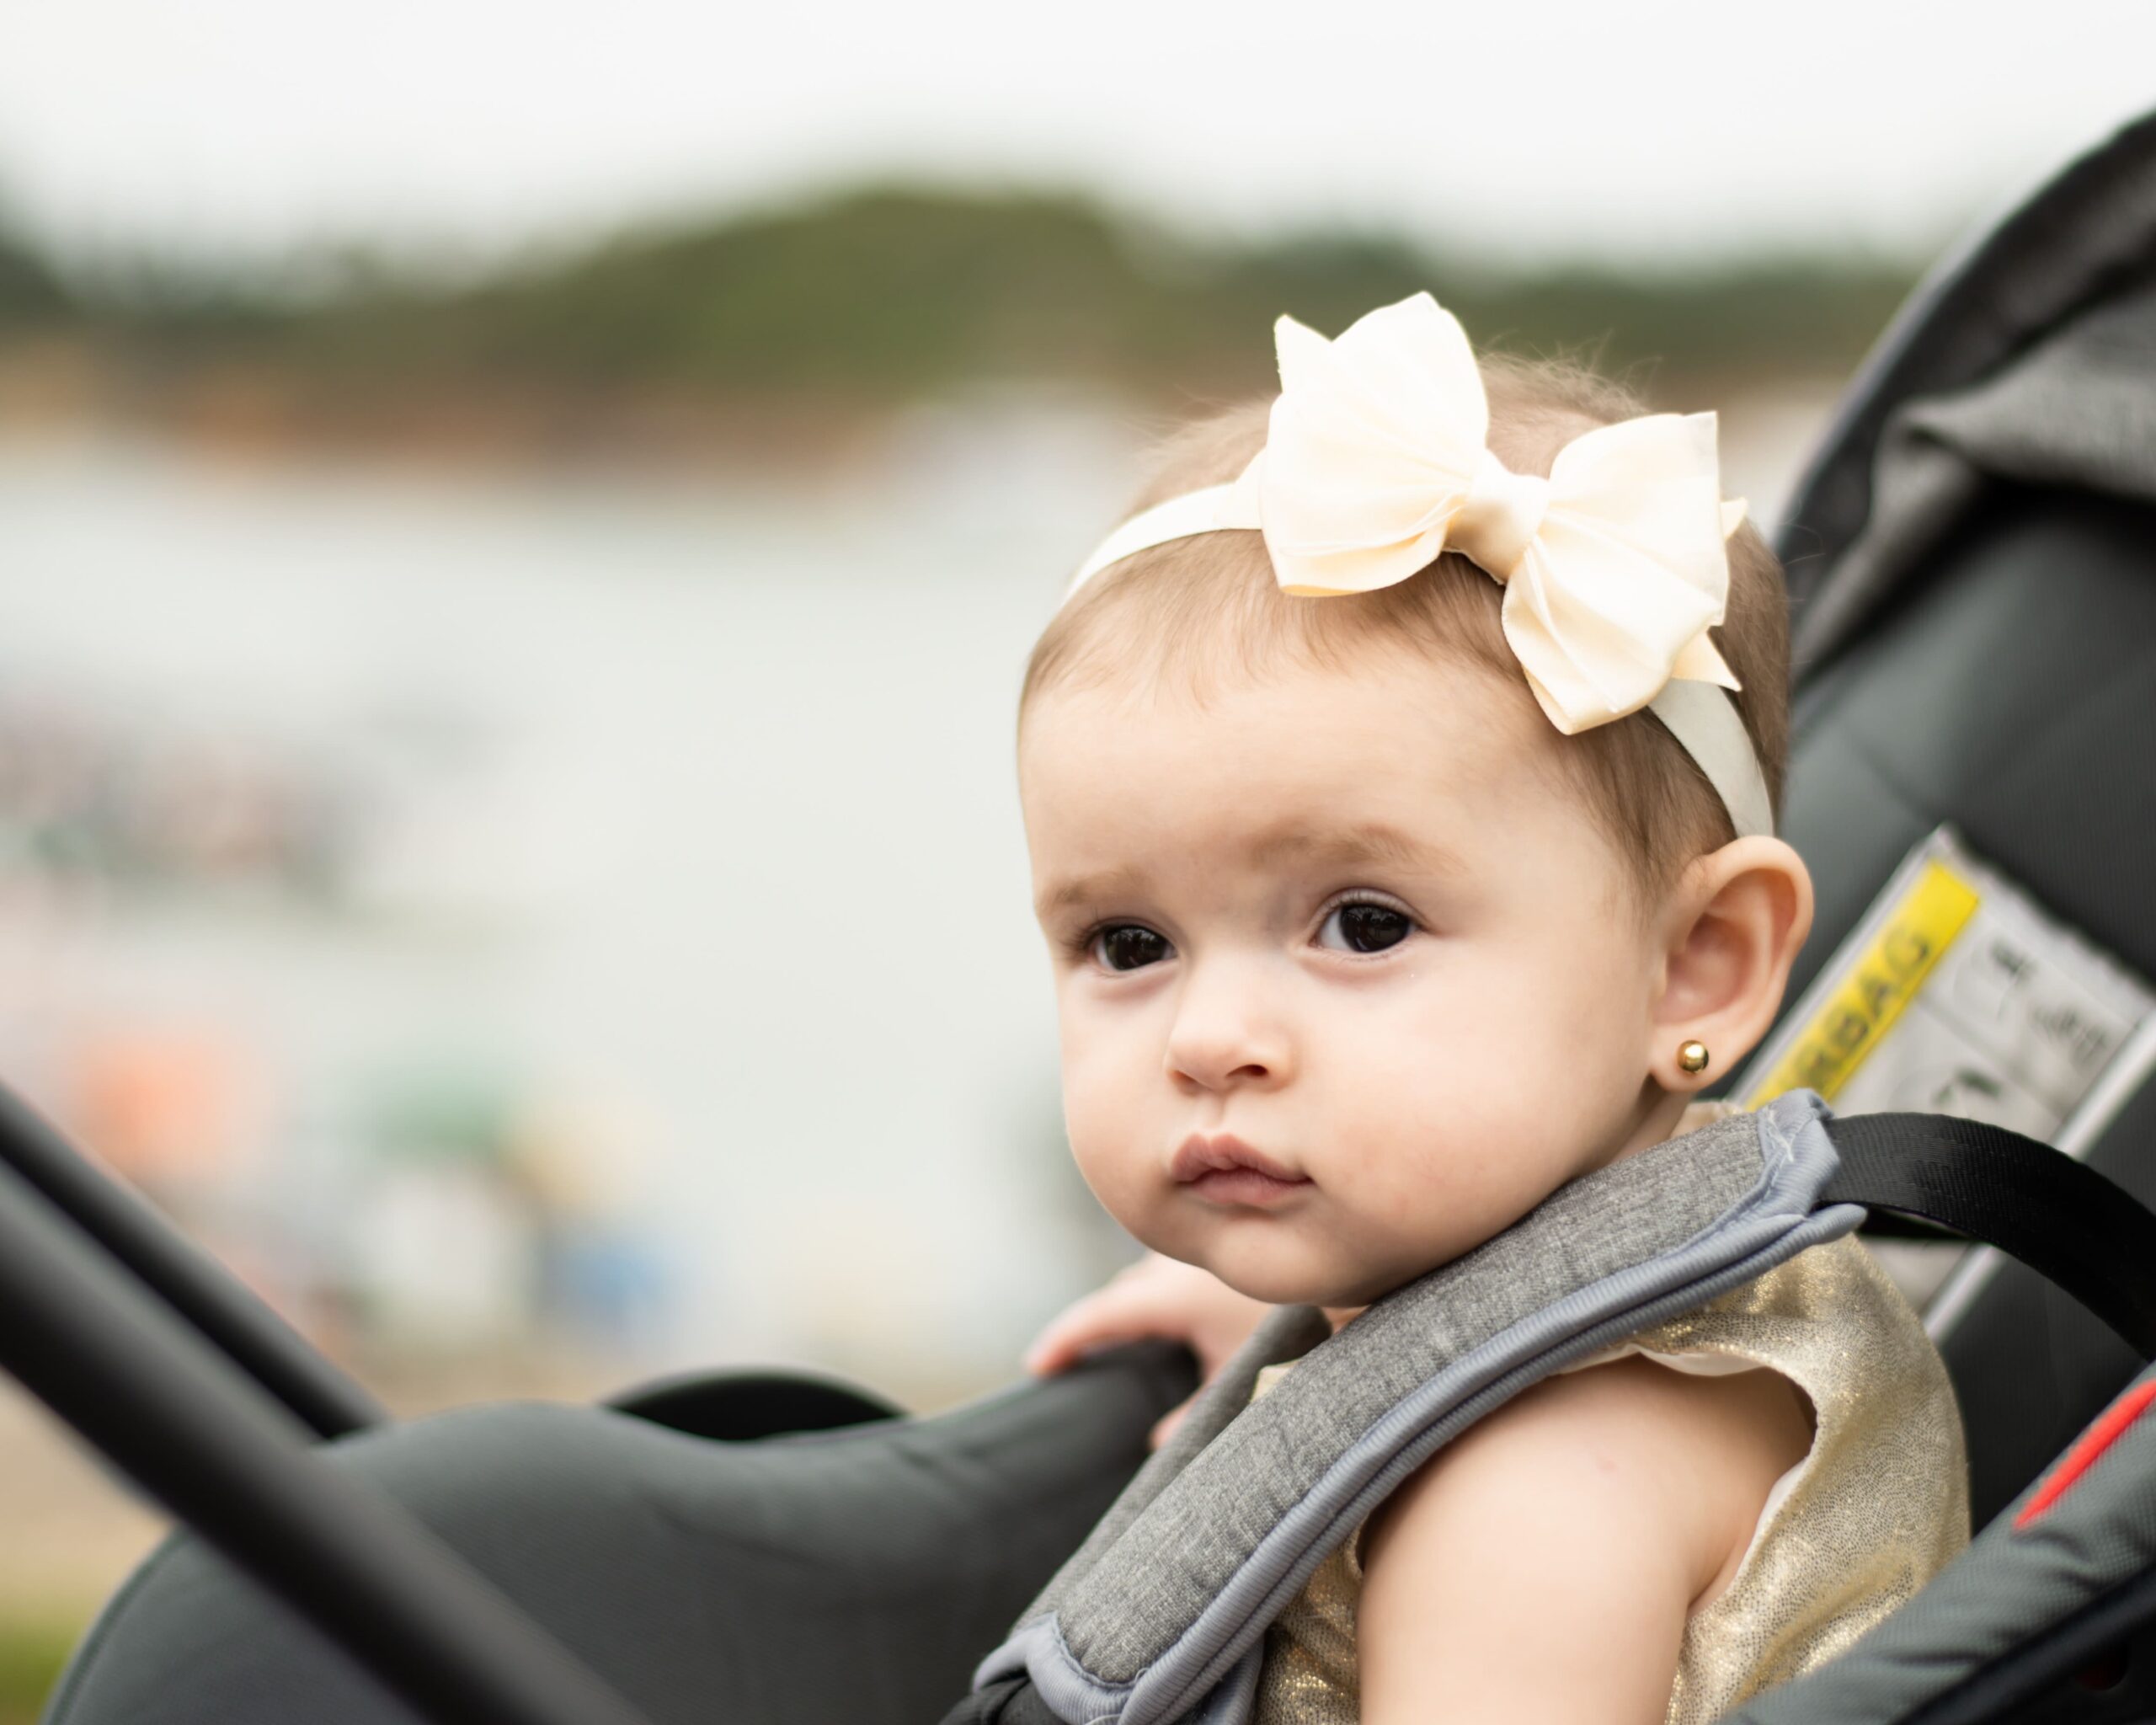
2060, 1217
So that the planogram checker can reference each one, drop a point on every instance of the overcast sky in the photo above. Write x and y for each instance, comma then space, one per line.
1640, 129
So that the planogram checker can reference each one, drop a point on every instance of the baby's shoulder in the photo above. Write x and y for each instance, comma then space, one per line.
1696, 1453
1612, 1501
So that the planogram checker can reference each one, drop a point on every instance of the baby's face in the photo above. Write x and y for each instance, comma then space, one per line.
1360, 926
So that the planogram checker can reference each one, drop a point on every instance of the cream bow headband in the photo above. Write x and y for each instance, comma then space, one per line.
1614, 568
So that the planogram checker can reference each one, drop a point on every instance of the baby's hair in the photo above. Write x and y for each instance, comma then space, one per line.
1197, 608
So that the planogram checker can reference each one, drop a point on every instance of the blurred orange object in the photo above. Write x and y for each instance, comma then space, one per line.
167, 1106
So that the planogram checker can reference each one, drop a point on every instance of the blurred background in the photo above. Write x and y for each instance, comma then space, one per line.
520, 529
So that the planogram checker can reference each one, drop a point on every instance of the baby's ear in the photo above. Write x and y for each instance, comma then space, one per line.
1731, 929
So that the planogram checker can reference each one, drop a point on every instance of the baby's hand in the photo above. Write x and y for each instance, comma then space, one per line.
1155, 1296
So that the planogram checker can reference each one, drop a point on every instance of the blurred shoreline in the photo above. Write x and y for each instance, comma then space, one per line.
56, 395
69, 389
789, 337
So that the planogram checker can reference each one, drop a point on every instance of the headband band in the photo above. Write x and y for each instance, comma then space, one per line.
1614, 568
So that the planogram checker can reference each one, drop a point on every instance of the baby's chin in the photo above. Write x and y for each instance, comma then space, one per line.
1280, 1275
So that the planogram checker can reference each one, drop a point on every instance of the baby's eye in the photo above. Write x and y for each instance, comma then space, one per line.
1127, 946
1367, 927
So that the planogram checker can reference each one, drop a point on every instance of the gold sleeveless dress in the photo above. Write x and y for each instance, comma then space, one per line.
1876, 1507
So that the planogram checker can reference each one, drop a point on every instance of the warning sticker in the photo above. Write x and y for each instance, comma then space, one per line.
1837, 1039
1957, 994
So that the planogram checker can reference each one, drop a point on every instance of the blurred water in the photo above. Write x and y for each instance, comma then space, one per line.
688, 816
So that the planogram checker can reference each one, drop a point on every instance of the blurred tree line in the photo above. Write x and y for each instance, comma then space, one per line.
887, 294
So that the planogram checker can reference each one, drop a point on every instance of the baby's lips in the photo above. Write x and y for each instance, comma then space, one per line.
1199, 1155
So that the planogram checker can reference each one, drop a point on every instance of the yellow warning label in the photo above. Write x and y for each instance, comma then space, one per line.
1885, 978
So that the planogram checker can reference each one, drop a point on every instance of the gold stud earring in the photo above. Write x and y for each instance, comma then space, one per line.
1692, 1056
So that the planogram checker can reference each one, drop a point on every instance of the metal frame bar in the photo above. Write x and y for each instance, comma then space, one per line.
212, 1445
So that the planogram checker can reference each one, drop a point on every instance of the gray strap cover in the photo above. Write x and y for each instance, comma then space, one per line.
1160, 1614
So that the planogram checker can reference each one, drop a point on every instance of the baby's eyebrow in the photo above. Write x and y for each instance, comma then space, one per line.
1373, 843
1086, 889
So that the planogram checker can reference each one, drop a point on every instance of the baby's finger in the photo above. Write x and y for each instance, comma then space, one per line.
1064, 1345
1165, 1427
1100, 1319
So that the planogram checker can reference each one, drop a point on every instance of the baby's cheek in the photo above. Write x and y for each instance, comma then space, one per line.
1091, 1127
1108, 1137
1441, 1190
1448, 1150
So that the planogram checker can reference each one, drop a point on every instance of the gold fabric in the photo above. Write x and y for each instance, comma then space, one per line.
1878, 1506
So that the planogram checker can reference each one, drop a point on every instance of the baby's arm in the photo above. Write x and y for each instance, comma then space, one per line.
1541, 1569
1155, 1296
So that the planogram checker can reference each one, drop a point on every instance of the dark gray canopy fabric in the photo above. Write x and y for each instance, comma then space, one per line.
2076, 408
1997, 330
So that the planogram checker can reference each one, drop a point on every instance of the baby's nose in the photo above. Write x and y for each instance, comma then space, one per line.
1225, 1034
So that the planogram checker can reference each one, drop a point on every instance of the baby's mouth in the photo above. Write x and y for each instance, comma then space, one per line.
1243, 1187
1222, 1169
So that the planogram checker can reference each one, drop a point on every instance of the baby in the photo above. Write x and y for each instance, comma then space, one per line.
1401, 862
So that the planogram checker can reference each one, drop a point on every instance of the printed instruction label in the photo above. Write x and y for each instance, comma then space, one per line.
1956, 995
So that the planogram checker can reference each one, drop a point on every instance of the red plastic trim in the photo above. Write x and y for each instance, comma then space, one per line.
2110, 1425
